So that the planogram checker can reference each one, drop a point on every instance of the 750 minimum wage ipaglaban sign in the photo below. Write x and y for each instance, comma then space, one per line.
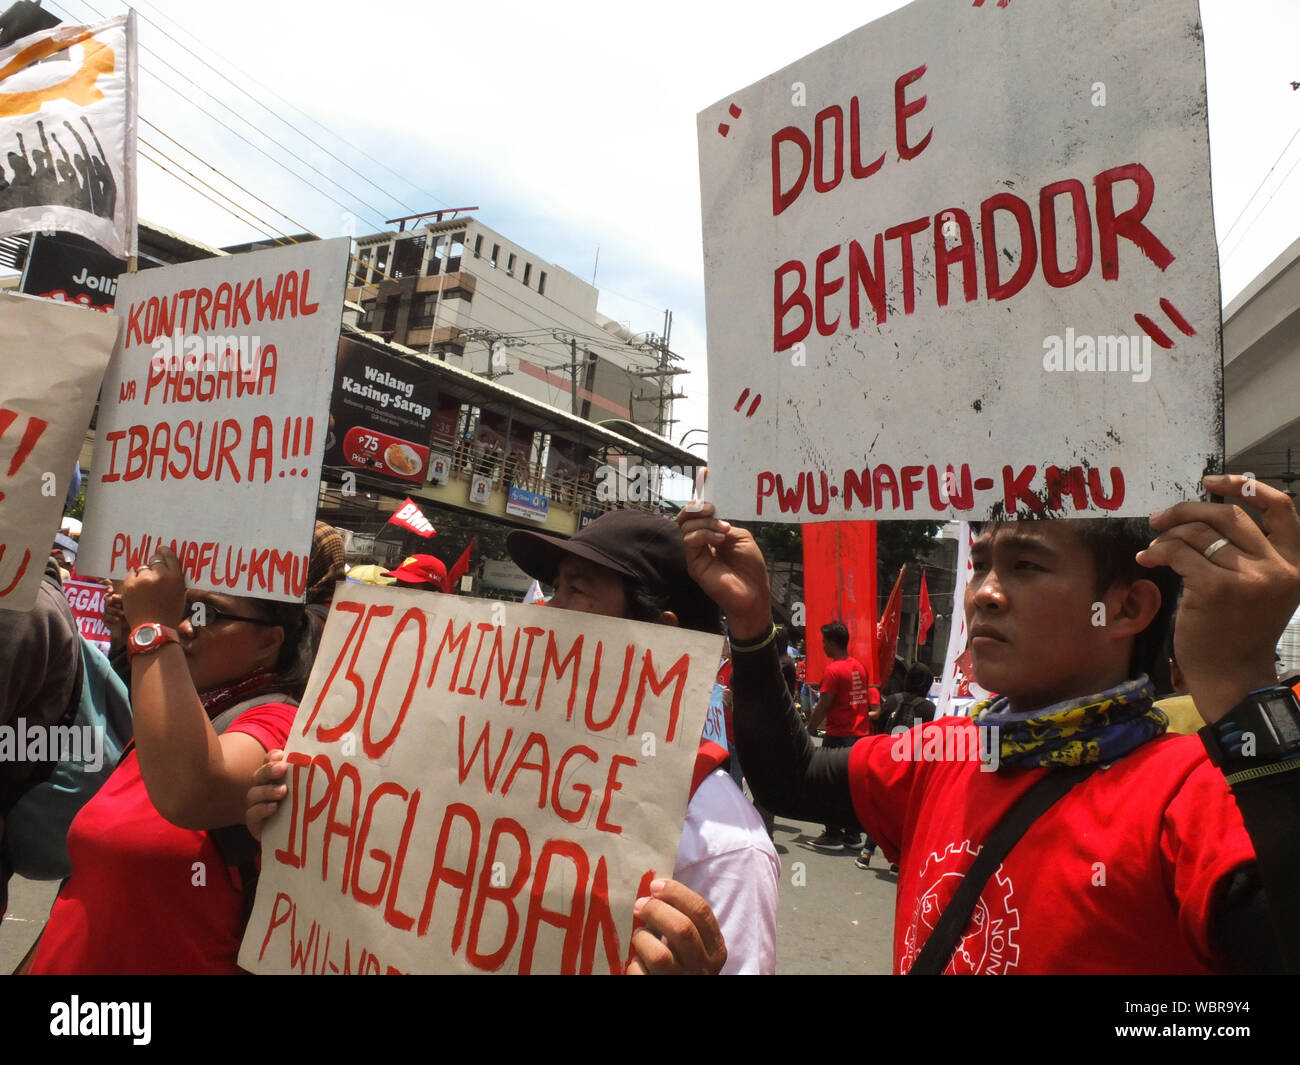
477, 787
961, 263
213, 418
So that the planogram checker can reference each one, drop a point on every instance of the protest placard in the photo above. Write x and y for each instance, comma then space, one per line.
213, 418
68, 133
477, 787
961, 263
52, 358
87, 601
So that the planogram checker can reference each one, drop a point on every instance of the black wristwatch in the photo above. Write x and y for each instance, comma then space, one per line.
1258, 736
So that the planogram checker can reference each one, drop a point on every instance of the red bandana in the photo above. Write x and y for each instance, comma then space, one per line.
215, 700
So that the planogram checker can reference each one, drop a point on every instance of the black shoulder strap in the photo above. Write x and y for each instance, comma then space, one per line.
937, 952
236, 845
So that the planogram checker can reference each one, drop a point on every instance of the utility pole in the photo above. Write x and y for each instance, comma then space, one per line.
573, 375
496, 343
662, 374
573, 368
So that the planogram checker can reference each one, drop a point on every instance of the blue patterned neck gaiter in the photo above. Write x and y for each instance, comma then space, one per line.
1096, 728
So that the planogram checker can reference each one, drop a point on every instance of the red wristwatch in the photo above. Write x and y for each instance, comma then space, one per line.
149, 637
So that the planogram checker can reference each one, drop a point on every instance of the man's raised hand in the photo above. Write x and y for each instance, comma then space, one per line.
1241, 586
727, 563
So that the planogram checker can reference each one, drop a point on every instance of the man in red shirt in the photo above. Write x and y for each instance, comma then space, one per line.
1168, 854
844, 706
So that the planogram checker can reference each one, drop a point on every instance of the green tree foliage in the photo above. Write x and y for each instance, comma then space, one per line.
78, 508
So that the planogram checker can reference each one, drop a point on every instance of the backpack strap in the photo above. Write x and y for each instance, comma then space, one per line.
236, 845
939, 947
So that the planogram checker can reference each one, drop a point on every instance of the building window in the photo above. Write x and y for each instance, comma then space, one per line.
435, 260
456, 252
541, 283
381, 263
362, 267
496, 254
528, 269
390, 315
459, 294
423, 309
510, 264
367, 315
478, 245
408, 257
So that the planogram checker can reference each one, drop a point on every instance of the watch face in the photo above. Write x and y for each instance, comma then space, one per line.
147, 636
1281, 708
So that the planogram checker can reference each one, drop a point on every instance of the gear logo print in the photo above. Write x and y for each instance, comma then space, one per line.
988, 946
80, 88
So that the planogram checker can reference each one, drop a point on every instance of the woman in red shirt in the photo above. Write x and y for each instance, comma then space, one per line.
150, 892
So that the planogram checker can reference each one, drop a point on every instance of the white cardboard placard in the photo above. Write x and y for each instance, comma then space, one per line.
477, 787
921, 242
213, 419
52, 358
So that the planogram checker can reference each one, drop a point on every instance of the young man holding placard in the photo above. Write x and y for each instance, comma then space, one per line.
1143, 860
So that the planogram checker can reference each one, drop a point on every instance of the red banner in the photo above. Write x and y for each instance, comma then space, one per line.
887, 631
460, 568
409, 516
925, 615
839, 580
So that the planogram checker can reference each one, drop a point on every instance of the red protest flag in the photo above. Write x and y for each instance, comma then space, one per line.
839, 580
887, 630
460, 568
408, 516
926, 614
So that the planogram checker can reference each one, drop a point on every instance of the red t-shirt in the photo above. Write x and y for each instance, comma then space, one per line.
1118, 876
847, 681
146, 897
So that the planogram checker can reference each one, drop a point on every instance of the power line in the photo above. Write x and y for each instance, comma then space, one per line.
1242, 239
289, 103
256, 147
1260, 186
238, 210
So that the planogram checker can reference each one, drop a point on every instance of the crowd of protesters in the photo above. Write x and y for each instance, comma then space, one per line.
1194, 834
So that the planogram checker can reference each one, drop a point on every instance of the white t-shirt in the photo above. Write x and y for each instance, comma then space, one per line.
726, 858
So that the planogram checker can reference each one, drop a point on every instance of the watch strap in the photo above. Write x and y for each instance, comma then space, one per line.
1262, 729
165, 636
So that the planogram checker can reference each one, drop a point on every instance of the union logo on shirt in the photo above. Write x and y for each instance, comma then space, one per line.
988, 946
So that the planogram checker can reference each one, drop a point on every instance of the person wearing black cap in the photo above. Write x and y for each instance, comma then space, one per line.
632, 564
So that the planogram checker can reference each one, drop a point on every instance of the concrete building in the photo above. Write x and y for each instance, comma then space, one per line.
469, 296
1261, 374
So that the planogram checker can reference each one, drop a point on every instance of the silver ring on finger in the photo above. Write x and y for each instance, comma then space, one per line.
1210, 551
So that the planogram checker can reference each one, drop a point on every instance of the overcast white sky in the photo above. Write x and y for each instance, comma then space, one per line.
572, 124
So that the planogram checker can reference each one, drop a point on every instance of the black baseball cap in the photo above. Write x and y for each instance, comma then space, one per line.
644, 546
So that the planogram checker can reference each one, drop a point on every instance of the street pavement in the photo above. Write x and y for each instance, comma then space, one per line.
834, 918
